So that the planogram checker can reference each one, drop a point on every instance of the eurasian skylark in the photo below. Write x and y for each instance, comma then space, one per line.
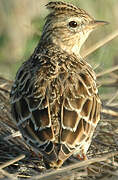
54, 99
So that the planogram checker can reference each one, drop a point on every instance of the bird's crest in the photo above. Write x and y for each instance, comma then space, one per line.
59, 6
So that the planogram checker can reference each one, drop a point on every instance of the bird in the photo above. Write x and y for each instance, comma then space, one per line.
54, 98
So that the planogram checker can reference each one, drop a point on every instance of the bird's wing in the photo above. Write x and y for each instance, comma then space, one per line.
80, 112
30, 109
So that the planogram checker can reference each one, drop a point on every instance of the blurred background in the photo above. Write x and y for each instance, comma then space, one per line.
21, 24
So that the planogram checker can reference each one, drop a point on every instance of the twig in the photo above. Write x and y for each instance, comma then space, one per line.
107, 82
113, 104
12, 161
74, 166
23, 176
100, 44
113, 97
110, 172
114, 75
110, 112
10, 176
107, 71
13, 135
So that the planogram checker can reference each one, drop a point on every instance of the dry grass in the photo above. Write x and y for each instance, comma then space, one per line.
101, 43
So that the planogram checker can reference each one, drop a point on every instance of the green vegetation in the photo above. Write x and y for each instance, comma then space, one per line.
21, 27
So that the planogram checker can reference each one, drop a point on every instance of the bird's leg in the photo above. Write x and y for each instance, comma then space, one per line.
83, 156
35, 154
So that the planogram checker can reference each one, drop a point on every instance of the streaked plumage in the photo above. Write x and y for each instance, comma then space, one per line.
54, 99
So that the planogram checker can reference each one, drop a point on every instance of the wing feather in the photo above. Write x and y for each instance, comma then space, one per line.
80, 114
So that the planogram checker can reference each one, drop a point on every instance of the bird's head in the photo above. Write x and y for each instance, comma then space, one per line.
68, 26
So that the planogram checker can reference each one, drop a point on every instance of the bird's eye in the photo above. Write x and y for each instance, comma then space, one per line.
73, 24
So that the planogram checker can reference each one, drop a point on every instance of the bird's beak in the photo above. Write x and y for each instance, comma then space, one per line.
97, 23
